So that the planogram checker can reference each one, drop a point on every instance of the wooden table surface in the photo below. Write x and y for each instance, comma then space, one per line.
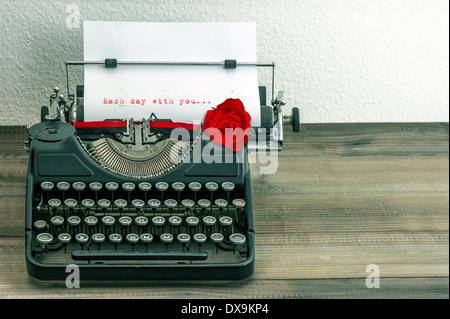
344, 196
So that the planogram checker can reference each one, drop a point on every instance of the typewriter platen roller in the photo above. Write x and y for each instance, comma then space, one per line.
123, 200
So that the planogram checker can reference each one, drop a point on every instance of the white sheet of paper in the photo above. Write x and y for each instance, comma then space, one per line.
179, 93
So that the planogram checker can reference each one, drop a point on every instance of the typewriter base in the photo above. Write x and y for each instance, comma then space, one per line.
159, 270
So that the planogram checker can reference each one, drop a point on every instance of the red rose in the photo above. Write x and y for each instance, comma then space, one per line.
228, 124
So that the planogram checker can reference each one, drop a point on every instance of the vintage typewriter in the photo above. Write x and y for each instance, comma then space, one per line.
118, 198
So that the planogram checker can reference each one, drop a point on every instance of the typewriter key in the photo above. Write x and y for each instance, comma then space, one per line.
237, 239
159, 222
128, 187
239, 204
120, 204
44, 239
82, 239
90, 222
40, 226
166, 238
146, 239
192, 223
162, 187
54, 204
115, 239
63, 187
87, 204
228, 187
138, 204
170, 204
209, 222
212, 187
184, 239
108, 223
104, 204
204, 204
175, 222
141, 222
133, 239
112, 187
98, 238
226, 223
79, 187
221, 204
57, 224
200, 239
178, 187
71, 204
64, 238
195, 187
46, 188
145, 187
125, 222
154, 204
217, 238
95, 187
74, 224
188, 204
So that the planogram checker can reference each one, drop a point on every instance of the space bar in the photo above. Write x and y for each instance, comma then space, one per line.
138, 255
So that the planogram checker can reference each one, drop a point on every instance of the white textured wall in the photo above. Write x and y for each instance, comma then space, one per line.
337, 60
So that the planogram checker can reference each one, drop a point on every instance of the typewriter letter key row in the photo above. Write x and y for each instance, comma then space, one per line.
138, 222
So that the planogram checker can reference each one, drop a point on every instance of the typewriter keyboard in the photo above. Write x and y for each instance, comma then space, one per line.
137, 222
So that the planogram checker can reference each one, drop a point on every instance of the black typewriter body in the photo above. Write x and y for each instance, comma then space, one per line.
169, 240
125, 200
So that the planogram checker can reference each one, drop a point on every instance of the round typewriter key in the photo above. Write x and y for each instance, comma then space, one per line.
74, 224
183, 239
192, 223
228, 186
108, 220
146, 239
90, 222
209, 220
211, 186
200, 239
87, 203
133, 239
166, 238
138, 204
195, 186
125, 222
71, 204
64, 238
162, 186
115, 239
217, 238
79, 186
82, 239
178, 186
63, 186
112, 186
104, 204
128, 187
204, 204
221, 204
158, 220
95, 186
47, 186
238, 203
44, 239
175, 222
145, 187
54, 204
98, 238
237, 239
40, 226
120, 204
188, 204
170, 204
141, 221
154, 203
57, 224
226, 221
